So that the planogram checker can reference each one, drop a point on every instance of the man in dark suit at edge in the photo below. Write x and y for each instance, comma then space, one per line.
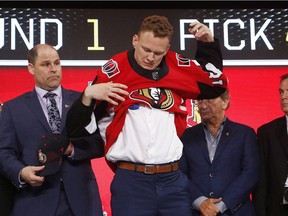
72, 190
271, 194
7, 190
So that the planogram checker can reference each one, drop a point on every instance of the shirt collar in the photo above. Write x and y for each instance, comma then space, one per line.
41, 92
222, 124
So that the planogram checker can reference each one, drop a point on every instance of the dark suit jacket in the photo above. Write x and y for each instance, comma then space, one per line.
21, 126
273, 145
234, 171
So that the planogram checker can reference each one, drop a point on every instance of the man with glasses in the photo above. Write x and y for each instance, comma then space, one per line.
221, 160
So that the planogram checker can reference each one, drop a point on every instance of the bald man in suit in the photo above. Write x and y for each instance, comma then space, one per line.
70, 191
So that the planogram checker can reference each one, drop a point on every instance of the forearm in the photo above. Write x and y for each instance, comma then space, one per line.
209, 52
78, 117
88, 147
209, 57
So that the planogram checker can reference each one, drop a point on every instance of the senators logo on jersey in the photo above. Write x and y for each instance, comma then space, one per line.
182, 61
110, 68
155, 97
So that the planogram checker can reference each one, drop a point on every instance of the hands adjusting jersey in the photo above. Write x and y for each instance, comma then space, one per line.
178, 78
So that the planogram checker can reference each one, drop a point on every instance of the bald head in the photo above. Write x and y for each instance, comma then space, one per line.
33, 53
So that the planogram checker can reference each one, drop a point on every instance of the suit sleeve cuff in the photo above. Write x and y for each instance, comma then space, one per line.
196, 204
221, 206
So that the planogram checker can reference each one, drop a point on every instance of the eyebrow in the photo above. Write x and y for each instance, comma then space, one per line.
157, 52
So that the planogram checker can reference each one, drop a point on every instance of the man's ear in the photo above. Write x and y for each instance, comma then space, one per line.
134, 40
31, 68
168, 47
225, 104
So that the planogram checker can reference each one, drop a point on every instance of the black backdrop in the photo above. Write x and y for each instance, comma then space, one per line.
73, 22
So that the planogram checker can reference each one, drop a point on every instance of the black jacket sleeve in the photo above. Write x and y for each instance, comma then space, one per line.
209, 56
78, 117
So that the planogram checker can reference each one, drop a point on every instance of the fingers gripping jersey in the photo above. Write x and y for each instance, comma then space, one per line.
167, 88
184, 80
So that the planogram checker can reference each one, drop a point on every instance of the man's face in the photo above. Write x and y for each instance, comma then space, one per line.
47, 69
283, 90
212, 109
149, 50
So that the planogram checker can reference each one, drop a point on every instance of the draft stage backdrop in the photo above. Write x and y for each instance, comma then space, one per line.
254, 44
254, 101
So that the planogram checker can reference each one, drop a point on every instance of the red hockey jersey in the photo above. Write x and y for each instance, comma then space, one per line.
178, 78
181, 79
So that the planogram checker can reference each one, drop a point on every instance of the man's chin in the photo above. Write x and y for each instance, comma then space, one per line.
285, 109
148, 67
54, 85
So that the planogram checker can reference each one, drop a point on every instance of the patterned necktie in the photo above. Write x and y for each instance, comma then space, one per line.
53, 112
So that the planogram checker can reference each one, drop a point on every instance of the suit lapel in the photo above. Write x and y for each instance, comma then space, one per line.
35, 106
67, 101
224, 139
281, 130
203, 142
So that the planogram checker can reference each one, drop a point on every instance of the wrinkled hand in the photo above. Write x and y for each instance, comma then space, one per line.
201, 32
208, 208
110, 92
29, 175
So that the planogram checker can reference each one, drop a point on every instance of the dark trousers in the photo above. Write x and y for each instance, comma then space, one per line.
139, 194
7, 194
278, 210
63, 208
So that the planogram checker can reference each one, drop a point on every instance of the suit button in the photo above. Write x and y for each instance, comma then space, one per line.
211, 194
211, 175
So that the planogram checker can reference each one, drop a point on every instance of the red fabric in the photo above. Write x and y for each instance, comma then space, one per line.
254, 101
182, 80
